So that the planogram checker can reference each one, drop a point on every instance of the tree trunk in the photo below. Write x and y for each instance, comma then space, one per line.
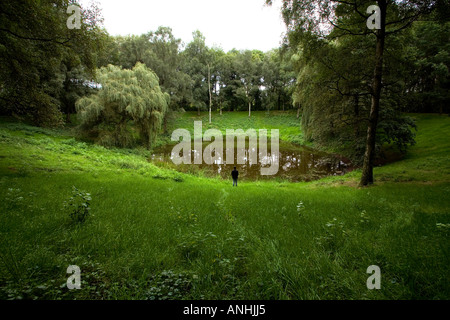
356, 114
278, 102
249, 109
367, 171
209, 89
165, 123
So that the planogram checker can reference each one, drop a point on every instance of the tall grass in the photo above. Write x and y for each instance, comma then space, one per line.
154, 233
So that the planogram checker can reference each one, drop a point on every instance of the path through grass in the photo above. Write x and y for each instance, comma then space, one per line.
160, 234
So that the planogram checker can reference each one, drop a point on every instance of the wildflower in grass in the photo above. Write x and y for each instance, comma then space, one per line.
333, 237
364, 219
332, 223
300, 208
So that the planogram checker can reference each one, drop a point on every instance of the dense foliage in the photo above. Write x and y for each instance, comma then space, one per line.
125, 96
44, 64
238, 80
354, 82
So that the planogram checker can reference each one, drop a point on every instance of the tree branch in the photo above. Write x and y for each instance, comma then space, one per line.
35, 39
355, 6
349, 32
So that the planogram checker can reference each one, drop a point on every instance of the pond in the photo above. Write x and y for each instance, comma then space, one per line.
296, 163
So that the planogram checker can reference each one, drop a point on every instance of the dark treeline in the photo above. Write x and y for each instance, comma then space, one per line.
44, 65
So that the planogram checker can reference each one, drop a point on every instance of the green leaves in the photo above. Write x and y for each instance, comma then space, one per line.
78, 205
126, 96
39, 56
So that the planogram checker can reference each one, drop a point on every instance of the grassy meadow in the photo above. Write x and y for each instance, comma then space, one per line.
158, 234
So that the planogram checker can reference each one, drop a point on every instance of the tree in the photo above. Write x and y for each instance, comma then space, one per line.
160, 51
348, 18
132, 49
163, 57
248, 64
209, 91
196, 59
278, 78
428, 58
216, 75
125, 96
40, 55
333, 88
228, 81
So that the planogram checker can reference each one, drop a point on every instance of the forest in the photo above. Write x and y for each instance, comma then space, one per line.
361, 102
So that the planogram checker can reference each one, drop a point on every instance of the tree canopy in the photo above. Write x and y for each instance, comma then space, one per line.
44, 63
125, 95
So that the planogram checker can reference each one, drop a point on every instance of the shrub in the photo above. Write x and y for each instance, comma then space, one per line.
78, 205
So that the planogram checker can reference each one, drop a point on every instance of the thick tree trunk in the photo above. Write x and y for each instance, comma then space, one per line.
367, 171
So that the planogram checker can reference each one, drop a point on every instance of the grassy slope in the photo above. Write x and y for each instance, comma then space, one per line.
286, 122
160, 234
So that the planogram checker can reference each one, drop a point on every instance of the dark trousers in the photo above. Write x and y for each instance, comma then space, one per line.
235, 182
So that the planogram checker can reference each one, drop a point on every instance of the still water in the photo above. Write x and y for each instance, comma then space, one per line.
296, 163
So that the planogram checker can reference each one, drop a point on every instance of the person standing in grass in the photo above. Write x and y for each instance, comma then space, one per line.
235, 175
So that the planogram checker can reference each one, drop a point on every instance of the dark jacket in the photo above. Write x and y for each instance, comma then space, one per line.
235, 174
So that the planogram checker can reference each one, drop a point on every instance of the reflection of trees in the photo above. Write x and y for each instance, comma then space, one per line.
299, 164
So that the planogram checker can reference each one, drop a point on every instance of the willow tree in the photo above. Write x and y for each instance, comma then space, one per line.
126, 97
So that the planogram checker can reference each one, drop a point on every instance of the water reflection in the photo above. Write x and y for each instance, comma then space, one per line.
295, 163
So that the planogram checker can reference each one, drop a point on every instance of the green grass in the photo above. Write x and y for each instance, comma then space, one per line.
154, 233
429, 160
285, 122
